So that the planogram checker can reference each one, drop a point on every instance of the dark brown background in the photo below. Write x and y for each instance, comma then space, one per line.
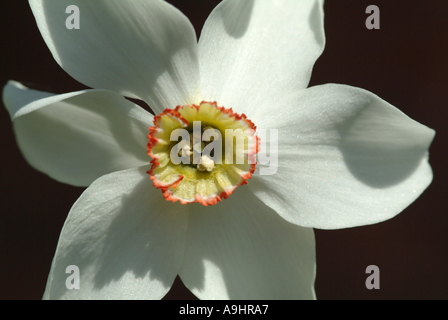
405, 63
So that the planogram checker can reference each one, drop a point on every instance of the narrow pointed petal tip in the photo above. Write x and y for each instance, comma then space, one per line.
346, 157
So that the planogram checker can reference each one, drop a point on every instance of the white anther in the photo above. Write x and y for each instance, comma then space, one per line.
206, 164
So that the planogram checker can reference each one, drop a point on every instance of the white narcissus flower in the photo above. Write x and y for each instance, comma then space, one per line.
345, 157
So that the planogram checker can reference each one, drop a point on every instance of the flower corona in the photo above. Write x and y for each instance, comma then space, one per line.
206, 165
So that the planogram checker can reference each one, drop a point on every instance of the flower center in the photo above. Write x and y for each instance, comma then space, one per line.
201, 153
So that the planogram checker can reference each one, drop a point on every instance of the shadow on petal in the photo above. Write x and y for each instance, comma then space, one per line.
242, 249
142, 242
84, 137
236, 18
131, 55
381, 152
316, 23
133, 253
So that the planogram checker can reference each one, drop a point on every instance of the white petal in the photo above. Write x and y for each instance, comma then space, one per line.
241, 249
252, 49
145, 49
77, 137
346, 158
125, 238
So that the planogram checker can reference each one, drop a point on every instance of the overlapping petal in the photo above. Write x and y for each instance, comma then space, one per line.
242, 249
77, 137
253, 49
125, 240
144, 49
345, 158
